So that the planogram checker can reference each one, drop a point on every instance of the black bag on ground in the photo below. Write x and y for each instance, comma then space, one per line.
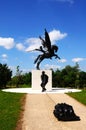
65, 112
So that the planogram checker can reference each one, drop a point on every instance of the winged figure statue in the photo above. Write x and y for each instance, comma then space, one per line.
48, 50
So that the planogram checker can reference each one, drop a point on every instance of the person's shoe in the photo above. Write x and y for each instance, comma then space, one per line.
44, 90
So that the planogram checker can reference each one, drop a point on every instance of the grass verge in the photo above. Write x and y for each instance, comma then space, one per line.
10, 108
79, 96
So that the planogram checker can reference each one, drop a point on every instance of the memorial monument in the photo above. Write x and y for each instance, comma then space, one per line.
48, 50
38, 76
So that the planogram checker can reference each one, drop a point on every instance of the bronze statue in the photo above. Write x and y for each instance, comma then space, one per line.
47, 49
44, 79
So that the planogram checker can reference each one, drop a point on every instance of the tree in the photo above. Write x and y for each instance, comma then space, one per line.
27, 78
5, 75
19, 79
67, 77
82, 77
56, 78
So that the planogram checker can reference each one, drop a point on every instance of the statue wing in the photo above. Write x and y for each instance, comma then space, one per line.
47, 40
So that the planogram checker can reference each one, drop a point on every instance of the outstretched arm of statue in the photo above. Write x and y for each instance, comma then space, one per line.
40, 49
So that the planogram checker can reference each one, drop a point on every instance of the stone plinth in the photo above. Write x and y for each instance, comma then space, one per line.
36, 79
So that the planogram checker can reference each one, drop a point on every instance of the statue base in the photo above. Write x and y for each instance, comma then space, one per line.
36, 79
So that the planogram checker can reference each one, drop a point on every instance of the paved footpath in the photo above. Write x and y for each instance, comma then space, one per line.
38, 114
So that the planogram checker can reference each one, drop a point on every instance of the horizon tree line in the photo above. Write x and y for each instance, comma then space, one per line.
70, 77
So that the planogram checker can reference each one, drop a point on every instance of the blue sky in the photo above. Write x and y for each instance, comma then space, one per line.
22, 21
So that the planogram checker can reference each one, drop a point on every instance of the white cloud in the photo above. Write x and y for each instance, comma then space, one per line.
56, 35
20, 46
35, 43
7, 43
12, 68
62, 60
25, 71
69, 1
78, 59
54, 67
4, 56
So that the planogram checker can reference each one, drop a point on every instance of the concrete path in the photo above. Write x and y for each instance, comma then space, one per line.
38, 114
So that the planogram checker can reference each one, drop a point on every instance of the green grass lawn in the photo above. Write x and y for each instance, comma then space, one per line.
79, 96
10, 108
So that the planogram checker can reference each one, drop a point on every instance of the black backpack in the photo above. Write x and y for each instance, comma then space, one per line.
65, 112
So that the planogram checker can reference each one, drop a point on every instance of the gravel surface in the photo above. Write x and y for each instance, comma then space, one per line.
38, 114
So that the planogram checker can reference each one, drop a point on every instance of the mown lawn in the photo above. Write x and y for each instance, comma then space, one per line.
10, 108
79, 96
